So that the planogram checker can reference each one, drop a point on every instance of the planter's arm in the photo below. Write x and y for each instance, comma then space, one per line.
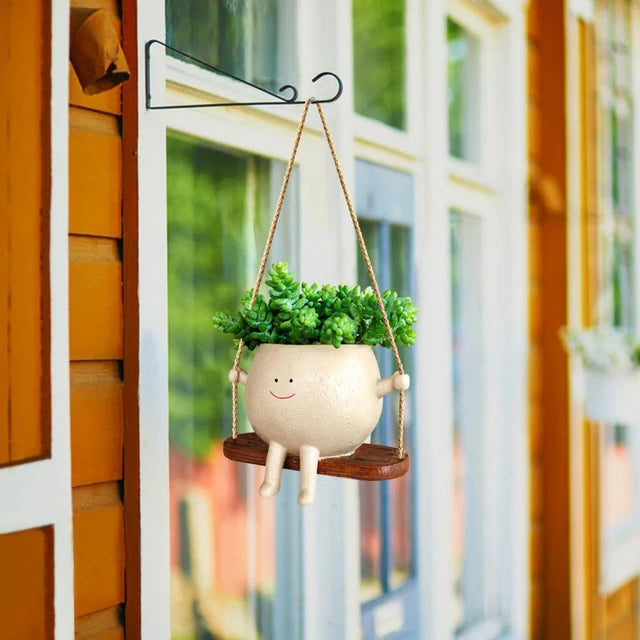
238, 375
396, 382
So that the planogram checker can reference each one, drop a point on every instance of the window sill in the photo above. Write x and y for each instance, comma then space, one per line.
470, 175
378, 134
488, 629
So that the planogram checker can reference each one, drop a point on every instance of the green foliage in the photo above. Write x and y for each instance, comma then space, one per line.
301, 313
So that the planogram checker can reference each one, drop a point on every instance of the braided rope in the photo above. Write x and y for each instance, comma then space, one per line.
363, 251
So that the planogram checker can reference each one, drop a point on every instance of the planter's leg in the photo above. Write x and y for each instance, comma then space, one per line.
308, 474
273, 470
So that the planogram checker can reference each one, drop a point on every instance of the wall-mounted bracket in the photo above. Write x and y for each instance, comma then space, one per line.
279, 100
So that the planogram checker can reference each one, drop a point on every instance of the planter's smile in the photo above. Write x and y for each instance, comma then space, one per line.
282, 397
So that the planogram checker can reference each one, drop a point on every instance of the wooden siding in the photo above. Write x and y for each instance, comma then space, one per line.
26, 585
24, 199
96, 339
549, 605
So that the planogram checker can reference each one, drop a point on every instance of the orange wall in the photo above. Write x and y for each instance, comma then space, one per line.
24, 199
26, 557
26, 585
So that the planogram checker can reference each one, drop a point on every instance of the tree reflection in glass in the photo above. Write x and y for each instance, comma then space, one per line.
222, 538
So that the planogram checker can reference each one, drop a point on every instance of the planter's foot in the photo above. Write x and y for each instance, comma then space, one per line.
308, 474
306, 497
269, 489
273, 470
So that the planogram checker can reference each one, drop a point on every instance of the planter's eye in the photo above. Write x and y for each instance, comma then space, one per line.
290, 379
276, 380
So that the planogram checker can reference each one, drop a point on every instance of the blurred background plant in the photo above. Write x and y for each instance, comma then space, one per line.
603, 347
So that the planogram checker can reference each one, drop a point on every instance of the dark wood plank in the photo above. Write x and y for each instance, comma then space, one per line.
368, 462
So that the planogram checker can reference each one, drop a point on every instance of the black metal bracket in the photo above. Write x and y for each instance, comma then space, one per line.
279, 100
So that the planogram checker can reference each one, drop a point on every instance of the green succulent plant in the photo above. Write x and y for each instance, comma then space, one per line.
301, 313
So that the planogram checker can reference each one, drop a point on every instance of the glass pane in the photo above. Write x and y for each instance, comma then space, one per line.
386, 196
401, 489
222, 538
620, 482
253, 39
463, 92
617, 269
468, 374
371, 539
379, 60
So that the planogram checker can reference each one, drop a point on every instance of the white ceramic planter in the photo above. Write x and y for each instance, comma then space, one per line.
313, 401
612, 396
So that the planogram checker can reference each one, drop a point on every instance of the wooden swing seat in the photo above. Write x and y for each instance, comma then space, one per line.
367, 462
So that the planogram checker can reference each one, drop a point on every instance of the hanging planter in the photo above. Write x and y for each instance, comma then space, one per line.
314, 392
609, 384
612, 396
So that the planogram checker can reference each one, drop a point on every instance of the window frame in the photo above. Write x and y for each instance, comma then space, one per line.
474, 188
422, 151
396, 607
268, 132
619, 559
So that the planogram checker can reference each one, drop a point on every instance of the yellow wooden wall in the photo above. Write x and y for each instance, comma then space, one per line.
26, 557
24, 215
26, 585
96, 354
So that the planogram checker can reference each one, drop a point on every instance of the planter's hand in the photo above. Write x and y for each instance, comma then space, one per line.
396, 382
238, 375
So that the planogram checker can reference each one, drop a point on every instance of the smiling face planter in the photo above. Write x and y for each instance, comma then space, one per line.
313, 401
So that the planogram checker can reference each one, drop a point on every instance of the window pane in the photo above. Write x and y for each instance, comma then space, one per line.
384, 199
401, 488
253, 39
468, 374
379, 60
620, 482
617, 269
371, 234
463, 92
371, 539
620, 450
222, 538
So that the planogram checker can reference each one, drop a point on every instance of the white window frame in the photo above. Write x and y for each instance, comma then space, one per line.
491, 189
38, 494
268, 132
324, 32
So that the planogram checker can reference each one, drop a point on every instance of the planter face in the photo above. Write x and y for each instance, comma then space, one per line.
314, 395
612, 396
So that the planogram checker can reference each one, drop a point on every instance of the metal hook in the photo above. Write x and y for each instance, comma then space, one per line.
338, 92
280, 100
